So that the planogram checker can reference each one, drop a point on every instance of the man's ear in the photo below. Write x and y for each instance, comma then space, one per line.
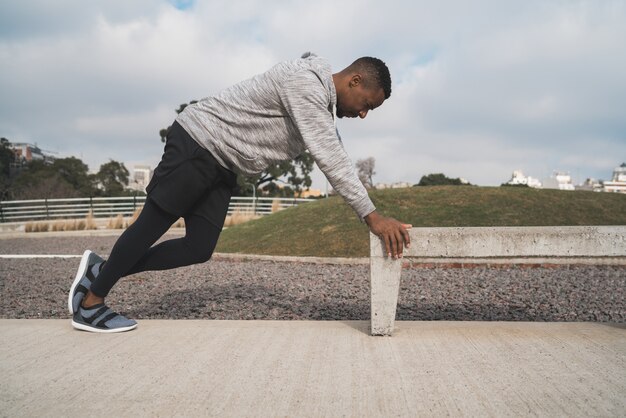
355, 80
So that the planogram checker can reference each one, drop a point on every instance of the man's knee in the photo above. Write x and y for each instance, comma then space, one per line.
199, 252
204, 256
201, 238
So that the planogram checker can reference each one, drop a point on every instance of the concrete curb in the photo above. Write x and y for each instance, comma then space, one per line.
291, 259
543, 262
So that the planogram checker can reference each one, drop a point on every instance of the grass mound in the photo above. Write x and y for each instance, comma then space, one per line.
329, 228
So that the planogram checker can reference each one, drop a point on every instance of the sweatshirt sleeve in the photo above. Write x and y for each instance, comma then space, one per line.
307, 103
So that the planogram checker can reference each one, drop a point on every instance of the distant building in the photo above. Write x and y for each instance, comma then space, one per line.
309, 193
518, 177
25, 153
396, 185
591, 185
618, 182
140, 178
560, 181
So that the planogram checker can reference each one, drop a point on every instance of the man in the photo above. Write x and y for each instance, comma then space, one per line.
271, 117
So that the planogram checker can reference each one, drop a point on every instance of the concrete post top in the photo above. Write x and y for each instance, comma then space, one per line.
525, 241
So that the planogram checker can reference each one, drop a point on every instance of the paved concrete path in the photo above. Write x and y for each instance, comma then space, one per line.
311, 368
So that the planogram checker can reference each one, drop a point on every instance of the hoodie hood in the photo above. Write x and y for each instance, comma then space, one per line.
322, 69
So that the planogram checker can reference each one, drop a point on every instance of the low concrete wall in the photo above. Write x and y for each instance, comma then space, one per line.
483, 243
489, 242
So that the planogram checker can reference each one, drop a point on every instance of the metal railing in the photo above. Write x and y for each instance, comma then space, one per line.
102, 207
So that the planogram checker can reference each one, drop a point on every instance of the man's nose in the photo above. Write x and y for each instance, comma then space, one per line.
362, 114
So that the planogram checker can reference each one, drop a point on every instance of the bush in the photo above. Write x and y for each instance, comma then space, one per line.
439, 179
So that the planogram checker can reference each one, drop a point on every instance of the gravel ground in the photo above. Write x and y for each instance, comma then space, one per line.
220, 289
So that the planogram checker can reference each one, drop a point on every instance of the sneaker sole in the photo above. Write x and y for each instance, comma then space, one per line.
88, 328
82, 269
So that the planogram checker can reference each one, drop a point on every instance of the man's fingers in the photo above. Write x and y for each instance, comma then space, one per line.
385, 238
399, 239
407, 238
394, 245
395, 237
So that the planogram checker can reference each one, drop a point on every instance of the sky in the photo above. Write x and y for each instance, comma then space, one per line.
479, 88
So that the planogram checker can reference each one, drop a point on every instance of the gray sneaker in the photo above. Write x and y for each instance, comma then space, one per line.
100, 318
89, 268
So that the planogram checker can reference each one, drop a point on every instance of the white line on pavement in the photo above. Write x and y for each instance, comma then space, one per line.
39, 256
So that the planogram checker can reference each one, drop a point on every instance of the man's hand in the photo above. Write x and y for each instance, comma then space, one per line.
393, 233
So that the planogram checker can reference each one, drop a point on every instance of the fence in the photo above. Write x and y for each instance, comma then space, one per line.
46, 209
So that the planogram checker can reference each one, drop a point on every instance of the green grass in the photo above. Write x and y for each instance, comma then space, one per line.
329, 228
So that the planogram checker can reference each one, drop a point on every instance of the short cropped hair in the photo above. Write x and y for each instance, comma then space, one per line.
375, 72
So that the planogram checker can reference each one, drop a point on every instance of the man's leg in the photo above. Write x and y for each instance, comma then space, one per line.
130, 247
195, 247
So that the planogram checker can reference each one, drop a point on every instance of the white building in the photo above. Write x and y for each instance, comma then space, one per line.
560, 181
590, 185
518, 177
618, 182
140, 178
396, 185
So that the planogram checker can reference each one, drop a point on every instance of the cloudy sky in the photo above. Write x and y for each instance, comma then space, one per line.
480, 88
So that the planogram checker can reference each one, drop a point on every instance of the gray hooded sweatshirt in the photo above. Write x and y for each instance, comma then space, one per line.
275, 116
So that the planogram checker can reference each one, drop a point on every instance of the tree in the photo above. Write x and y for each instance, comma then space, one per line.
163, 132
294, 174
439, 179
65, 177
365, 170
6, 158
75, 173
39, 180
113, 176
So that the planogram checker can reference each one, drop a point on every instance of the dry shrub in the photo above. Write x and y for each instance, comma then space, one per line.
275, 205
239, 217
90, 222
70, 225
58, 225
134, 217
116, 223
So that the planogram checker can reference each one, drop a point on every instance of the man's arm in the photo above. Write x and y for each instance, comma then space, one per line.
393, 233
306, 102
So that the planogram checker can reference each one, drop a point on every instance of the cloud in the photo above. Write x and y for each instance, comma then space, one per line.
479, 88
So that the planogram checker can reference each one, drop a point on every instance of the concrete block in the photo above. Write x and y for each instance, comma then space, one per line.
385, 285
535, 241
482, 243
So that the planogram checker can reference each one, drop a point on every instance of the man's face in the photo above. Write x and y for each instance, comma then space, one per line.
358, 100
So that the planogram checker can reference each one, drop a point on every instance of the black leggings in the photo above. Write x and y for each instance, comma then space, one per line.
132, 253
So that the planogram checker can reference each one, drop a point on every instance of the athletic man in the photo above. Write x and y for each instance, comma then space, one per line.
271, 117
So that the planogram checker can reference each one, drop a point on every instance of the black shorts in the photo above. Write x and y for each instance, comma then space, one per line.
189, 181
